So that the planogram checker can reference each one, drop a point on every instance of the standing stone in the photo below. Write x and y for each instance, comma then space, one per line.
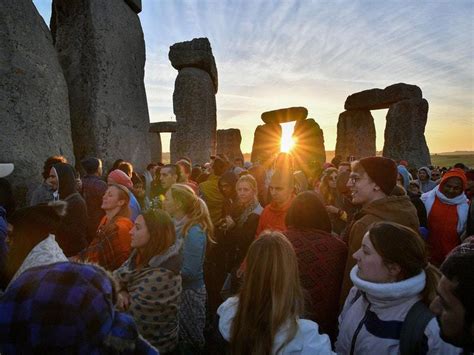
33, 96
228, 143
266, 143
102, 52
405, 132
355, 134
194, 101
155, 147
309, 144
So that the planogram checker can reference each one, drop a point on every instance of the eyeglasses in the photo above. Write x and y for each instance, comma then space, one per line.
354, 178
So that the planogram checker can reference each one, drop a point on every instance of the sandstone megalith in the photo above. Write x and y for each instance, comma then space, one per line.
375, 99
405, 132
194, 100
355, 134
156, 128
101, 49
33, 96
309, 144
228, 143
266, 143
285, 115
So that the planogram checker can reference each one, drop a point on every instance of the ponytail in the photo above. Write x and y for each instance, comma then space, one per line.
432, 278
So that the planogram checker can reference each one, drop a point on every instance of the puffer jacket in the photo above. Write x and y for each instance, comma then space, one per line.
398, 209
371, 323
306, 341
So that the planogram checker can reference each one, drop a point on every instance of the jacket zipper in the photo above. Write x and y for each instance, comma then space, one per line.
356, 333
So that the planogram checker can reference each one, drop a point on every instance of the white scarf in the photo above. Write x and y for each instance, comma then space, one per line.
392, 290
460, 201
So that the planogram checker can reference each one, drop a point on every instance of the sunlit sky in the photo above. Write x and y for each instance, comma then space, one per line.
274, 54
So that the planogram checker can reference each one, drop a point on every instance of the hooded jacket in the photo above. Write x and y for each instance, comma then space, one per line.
428, 185
213, 197
372, 323
306, 341
396, 209
72, 232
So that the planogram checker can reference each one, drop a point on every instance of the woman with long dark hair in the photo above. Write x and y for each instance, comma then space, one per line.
150, 280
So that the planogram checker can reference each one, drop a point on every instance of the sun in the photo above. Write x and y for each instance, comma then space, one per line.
287, 142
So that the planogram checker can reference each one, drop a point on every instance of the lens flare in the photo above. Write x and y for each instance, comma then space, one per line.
287, 140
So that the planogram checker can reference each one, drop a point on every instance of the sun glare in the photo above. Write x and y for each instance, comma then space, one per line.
287, 141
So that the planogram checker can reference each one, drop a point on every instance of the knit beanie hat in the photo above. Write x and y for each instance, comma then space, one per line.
90, 165
459, 173
382, 171
119, 177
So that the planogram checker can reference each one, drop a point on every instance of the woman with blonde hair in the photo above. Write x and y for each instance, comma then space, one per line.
386, 312
264, 317
150, 280
193, 224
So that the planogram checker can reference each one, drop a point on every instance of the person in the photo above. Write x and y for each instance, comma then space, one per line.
149, 175
436, 175
424, 180
150, 280
127, 168
210, 190
392, 277
343, 210
45, 192
194, 226
185, 174
321, 259
403, 180
264, 318
31, 239
169, 175
66, 308
281, 190
372, 181
7, 207
447, 211
111, 245
327, 187
71, 234
454, 303
93, 188
119, 177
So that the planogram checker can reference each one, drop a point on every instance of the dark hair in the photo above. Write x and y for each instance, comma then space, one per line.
174, 170
116, 164
162, 233
195, 173
219, 166
7, 200
66, 178
48, 164
460, 166
307, 211
151, 166
126, 167
458, 268
397, 244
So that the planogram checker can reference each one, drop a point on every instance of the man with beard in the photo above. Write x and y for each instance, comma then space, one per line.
454, 305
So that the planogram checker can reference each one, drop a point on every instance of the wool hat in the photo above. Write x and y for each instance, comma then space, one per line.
6, 169
455, 172
119, 177
382, 171
82, 320
91, 164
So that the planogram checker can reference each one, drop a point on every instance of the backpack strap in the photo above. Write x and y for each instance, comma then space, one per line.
413, 330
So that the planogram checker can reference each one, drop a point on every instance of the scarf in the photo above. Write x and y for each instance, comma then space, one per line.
179, 225
392, 290
460, 201
247, 211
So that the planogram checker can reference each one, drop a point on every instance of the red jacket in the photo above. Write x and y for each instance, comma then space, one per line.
273, 217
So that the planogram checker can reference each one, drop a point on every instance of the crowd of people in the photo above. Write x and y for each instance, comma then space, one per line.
370, 256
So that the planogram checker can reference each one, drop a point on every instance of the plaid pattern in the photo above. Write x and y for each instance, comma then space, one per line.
66, 308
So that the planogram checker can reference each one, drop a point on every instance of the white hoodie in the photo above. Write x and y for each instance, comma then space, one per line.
306, 341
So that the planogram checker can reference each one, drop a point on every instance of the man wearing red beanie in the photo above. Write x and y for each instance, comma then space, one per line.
372, 181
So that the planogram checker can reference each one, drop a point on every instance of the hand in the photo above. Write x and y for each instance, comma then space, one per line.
123, 300
332, 209
229, 222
